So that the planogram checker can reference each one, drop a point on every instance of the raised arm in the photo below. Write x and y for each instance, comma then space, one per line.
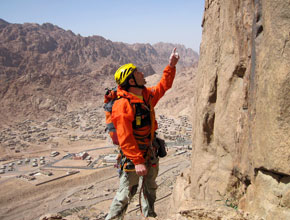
167, 79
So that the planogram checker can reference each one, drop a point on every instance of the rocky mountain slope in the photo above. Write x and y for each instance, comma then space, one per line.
46, 70
241, 142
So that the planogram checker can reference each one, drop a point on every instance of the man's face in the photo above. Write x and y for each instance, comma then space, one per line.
139, 77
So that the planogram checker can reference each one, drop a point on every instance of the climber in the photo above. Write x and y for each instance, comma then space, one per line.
134, 120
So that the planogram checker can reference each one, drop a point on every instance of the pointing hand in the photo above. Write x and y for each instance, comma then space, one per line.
174, 57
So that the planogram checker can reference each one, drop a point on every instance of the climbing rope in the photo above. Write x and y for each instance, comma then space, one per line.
140, 199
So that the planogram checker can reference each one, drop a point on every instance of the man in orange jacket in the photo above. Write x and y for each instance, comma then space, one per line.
134, 119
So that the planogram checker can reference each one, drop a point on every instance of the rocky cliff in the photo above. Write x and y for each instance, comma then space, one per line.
46, 70
241, 115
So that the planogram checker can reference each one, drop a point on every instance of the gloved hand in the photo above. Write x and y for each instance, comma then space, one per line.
174, 57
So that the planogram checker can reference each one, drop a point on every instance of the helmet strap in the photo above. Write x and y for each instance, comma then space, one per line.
136, 84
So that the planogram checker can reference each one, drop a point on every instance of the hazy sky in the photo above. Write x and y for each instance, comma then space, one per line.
129, 21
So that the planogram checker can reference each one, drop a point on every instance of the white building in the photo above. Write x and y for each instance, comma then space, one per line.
54, 153
111, 158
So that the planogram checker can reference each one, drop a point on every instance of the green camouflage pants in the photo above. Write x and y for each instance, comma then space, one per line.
128, 188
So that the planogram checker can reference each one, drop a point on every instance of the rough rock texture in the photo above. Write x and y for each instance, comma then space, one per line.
187, 207
241, 116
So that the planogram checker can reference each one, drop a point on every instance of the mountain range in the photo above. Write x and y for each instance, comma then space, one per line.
46, 70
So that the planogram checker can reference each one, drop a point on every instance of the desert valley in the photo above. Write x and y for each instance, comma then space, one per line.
53, 143
226, 119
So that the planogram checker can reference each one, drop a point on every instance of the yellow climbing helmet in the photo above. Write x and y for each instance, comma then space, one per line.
123, 72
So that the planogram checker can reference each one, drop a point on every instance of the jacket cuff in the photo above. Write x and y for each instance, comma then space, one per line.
139, 161
173, 68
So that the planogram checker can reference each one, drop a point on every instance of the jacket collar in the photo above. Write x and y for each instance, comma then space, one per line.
124, 94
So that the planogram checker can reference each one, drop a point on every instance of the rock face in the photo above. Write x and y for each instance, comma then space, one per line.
241, 115
46, 70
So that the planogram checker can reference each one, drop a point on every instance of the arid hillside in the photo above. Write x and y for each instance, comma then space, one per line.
52, 84
45, 70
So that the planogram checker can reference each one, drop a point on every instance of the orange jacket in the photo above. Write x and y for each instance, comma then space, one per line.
123, 114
